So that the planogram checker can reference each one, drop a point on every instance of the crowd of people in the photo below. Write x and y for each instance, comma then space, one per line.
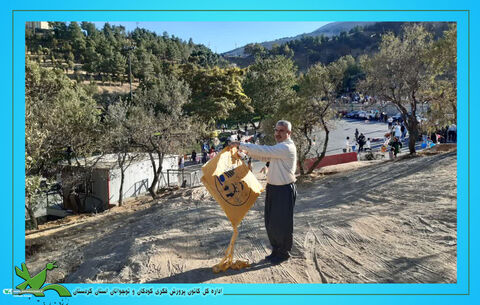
448, 134
392, 142
363, 143
211, 147
396, 133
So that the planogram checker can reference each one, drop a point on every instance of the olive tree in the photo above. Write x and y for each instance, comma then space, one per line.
159, 125
120, 139
401, 73
62, 123
443, 90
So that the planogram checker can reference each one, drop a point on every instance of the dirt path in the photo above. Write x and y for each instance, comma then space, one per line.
390, 222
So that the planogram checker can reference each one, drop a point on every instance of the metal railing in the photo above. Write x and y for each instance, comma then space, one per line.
183, 178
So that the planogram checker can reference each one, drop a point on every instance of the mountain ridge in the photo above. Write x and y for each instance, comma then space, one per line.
329, 30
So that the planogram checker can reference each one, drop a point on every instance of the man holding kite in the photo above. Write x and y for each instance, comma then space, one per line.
281, 189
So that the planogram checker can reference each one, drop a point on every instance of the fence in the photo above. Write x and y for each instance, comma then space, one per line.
183, 177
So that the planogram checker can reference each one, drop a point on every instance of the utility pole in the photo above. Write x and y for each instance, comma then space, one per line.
129, 49
130, 74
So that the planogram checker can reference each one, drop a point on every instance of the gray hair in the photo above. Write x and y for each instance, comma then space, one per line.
285, 124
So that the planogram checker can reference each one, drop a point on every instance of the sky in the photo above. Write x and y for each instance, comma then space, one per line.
221, 37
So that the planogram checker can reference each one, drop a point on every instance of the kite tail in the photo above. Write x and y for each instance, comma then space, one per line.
227, 260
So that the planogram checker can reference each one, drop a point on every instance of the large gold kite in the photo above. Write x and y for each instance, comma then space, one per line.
228, 179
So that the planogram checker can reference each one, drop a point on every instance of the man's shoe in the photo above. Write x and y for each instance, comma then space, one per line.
269, 257
276, 260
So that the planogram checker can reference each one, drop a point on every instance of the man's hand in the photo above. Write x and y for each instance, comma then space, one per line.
237, 145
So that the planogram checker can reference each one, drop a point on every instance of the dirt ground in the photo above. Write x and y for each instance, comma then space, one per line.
362, 222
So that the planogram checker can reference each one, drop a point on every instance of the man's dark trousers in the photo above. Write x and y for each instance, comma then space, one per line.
279, 204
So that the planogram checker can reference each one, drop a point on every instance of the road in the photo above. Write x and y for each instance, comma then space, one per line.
346, 128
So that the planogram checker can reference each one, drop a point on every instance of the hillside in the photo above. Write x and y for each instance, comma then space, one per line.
311, 49
329, 30
387, 222
103, 55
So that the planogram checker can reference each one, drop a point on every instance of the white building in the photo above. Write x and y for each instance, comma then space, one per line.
105, 182
38, 25
104, 188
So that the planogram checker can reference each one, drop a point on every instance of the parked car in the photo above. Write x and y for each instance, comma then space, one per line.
397, 117
371, 114
421, 119
362, 115
352, 114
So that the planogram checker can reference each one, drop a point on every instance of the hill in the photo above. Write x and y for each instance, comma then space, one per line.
103, 55
329, 30
360, 39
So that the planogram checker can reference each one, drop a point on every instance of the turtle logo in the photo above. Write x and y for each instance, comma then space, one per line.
35, 283
232, 189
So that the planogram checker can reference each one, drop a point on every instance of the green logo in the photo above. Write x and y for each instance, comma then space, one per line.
35, 283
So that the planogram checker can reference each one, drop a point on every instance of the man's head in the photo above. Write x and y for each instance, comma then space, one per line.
283, 130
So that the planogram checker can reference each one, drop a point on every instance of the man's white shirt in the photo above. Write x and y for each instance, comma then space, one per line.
282, 157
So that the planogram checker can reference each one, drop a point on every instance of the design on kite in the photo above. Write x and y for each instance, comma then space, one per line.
232, 189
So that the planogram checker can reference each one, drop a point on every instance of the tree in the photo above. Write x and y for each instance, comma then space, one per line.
77, 39
120, 139
118, 66
142, 64
283, 49
58, 114
204, 57
287, 51
443, 91
216, 92
400, 72
255, 49
353, 75
89, 27
312, 111
159, 126
269, 83
106, 51
92, 60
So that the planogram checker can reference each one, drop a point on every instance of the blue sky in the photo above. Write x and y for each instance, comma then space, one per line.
224, 36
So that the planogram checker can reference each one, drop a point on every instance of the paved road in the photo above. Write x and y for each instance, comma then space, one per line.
346, 128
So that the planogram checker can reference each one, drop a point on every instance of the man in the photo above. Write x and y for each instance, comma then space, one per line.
194, 156
390, 122
398, 130
281, 189
361, 142
452, 133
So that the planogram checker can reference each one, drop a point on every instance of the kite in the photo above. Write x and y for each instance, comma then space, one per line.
229, 180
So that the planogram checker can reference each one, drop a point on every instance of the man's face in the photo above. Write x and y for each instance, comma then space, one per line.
281, 133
